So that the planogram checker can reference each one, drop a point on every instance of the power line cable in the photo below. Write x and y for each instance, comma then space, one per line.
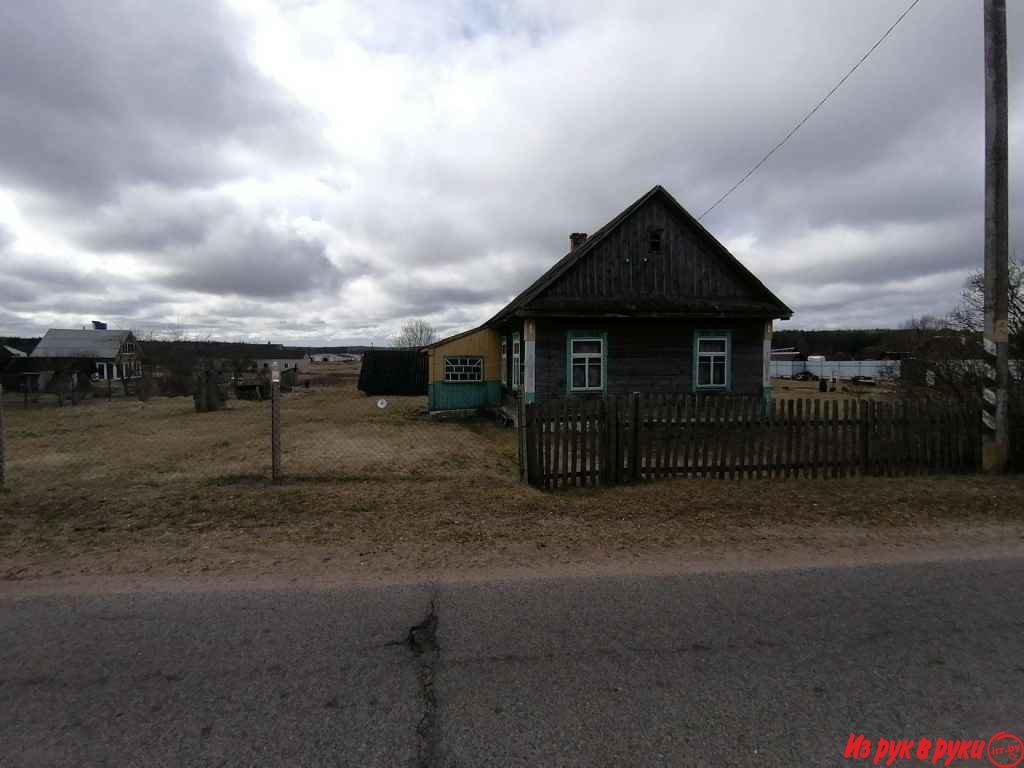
810, 114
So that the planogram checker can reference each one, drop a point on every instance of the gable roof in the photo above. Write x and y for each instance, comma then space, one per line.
64, 342
454, 337
564, 264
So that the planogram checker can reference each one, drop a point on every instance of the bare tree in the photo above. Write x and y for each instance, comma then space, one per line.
925, 324
969, 314
946, 352
415, 333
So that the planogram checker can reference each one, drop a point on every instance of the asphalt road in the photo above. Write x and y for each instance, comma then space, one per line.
745, 669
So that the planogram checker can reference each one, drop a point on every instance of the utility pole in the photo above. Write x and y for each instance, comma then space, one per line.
995, 440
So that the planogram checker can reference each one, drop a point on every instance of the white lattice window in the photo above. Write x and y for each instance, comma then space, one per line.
463, 369
504, 361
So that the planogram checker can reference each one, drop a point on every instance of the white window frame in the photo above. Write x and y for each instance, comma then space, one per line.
462, 362
725, 358
587, 358
517, 356
504, 360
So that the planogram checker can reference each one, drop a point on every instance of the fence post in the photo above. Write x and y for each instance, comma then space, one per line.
634, 440
611, 428
867, 434
521, 436
275, 425
3, 452
533, 444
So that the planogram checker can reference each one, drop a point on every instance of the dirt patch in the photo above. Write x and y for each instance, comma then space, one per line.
845, 390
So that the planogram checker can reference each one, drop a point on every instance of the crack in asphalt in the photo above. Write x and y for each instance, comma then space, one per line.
422, 641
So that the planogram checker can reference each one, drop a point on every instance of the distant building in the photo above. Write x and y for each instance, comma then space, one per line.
99, 354
332, 357
286, 359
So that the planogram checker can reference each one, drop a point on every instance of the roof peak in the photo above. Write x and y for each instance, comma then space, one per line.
560, 267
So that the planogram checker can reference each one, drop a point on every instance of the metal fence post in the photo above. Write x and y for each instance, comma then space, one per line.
275, 425
3, 451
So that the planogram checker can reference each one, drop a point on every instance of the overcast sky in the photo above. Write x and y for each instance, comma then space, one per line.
318, 172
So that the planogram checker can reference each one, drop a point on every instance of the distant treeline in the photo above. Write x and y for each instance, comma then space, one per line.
154, 351
350, 350
857, 344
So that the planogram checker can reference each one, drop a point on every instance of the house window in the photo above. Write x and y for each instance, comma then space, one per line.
516, 358
101, 371
587, 364
504, 361
654, 238
713, 361
462, 369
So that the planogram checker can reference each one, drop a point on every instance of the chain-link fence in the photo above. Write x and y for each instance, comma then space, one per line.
318, 426
103, 453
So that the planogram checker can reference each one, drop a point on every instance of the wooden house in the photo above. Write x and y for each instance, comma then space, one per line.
650, 303
287, 359
101, 355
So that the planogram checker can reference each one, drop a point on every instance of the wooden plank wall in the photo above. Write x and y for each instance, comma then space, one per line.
622, 266
620, 439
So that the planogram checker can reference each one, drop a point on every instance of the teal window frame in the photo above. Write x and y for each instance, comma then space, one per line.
572, 336
712, 334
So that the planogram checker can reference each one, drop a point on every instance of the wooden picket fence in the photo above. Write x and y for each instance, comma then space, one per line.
624, 439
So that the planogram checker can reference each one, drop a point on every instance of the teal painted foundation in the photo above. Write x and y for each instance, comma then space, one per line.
448, 396
767, 394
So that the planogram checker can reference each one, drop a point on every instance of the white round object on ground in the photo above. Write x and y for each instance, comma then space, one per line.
382, 403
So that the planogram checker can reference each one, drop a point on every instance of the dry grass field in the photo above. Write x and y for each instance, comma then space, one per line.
130, 487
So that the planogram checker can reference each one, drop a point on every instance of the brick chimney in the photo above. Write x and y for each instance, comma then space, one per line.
576, 239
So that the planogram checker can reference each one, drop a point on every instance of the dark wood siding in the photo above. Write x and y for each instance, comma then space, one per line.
648, 355
622, 275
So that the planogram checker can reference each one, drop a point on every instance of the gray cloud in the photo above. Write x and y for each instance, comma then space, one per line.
468, 140
257, 263
100, 95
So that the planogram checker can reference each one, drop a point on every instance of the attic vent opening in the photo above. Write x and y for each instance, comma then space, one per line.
654, 240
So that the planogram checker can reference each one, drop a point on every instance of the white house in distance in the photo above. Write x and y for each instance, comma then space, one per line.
286, 359
113, 355
332, 357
